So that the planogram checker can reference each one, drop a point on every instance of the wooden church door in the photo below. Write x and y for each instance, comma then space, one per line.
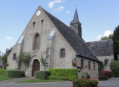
35, 67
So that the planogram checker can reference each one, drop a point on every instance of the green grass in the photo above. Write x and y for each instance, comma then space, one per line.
38, 80
3, 78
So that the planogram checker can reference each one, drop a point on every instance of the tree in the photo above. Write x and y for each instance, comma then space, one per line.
24, 58
107, 38
4, 57
116, 42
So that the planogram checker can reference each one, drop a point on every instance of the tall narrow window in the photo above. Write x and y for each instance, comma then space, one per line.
42, 21
14, 56
36, 41
62, 52
34, 24
94, 65
82, 64
89, 65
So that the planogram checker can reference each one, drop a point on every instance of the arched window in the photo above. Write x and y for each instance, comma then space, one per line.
36, 41
89, 65
62, 52
14, 56
82, 64
34, 24
94, 65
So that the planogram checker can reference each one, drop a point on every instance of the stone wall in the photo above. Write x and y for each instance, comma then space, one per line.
110, 58
93, 73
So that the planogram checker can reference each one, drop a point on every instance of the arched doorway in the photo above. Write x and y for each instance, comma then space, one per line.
35, 66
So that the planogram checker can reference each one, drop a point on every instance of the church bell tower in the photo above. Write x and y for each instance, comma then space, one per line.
76, 25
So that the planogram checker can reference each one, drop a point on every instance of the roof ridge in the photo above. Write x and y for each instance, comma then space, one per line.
99, 41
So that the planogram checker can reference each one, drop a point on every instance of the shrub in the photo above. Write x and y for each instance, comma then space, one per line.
102, 77
15, 73
3, 72
84, 83
105, 73
85, 75
43, 75
63, 74
115, 68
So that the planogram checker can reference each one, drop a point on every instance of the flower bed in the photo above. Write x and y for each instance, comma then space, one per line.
105, 73
85, 83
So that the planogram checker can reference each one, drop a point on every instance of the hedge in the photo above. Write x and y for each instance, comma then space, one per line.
3, 72
43, 75
102, 77
115, 68
15, 74
63, 74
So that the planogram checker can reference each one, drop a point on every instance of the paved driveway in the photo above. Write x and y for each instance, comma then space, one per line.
11, 83
113, 82
49, 84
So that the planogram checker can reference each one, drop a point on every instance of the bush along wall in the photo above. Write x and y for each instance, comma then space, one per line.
63, 74
105, 73
15, 73
115, 68
3, 72
43, 75
103, 78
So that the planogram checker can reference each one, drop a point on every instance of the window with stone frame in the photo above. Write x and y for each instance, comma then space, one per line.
14, 56
82, 64
94, 65
34, 24
36, 41
62, 53
89, 65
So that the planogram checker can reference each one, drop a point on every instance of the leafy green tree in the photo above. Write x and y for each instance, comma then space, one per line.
107, 38
116, 41
24, 58
42, 60
4, 57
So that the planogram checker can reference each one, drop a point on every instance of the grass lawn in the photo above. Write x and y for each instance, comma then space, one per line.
38, 80
3, 78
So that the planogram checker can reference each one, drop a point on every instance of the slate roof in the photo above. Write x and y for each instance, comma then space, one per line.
72, 38
101, 48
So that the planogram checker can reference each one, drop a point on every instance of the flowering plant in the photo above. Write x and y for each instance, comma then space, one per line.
74, 63
85, 83
105, 73
6, 64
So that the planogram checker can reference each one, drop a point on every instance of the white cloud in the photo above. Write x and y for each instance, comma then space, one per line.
52, 3
106, 33
68, 12
60, 8
9, 38
99, 37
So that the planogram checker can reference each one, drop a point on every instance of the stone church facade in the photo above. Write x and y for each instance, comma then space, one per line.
46, 36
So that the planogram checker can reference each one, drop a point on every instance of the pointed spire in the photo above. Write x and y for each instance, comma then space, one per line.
76, 25
75, 19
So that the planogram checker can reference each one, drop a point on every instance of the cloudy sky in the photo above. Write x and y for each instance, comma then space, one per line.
98, 17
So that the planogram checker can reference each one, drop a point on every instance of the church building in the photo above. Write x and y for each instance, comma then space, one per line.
59, 45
